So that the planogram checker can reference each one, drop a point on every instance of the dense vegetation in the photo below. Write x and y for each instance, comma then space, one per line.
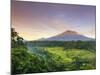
88, 45
50, 56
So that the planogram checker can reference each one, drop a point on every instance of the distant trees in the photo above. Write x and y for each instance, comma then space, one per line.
88, 45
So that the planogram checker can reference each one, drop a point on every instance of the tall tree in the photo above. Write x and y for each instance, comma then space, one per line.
14, 34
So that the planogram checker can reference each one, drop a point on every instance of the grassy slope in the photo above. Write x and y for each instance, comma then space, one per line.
71, 55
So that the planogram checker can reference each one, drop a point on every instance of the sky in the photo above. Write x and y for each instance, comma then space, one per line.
36, 20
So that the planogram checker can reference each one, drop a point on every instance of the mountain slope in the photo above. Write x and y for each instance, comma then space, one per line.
68, 36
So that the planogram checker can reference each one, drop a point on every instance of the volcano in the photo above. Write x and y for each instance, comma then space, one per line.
68, 36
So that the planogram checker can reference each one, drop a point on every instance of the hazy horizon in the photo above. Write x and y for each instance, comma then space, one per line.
35, 20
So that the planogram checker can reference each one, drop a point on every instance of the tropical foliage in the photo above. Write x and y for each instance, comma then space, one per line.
47, 56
